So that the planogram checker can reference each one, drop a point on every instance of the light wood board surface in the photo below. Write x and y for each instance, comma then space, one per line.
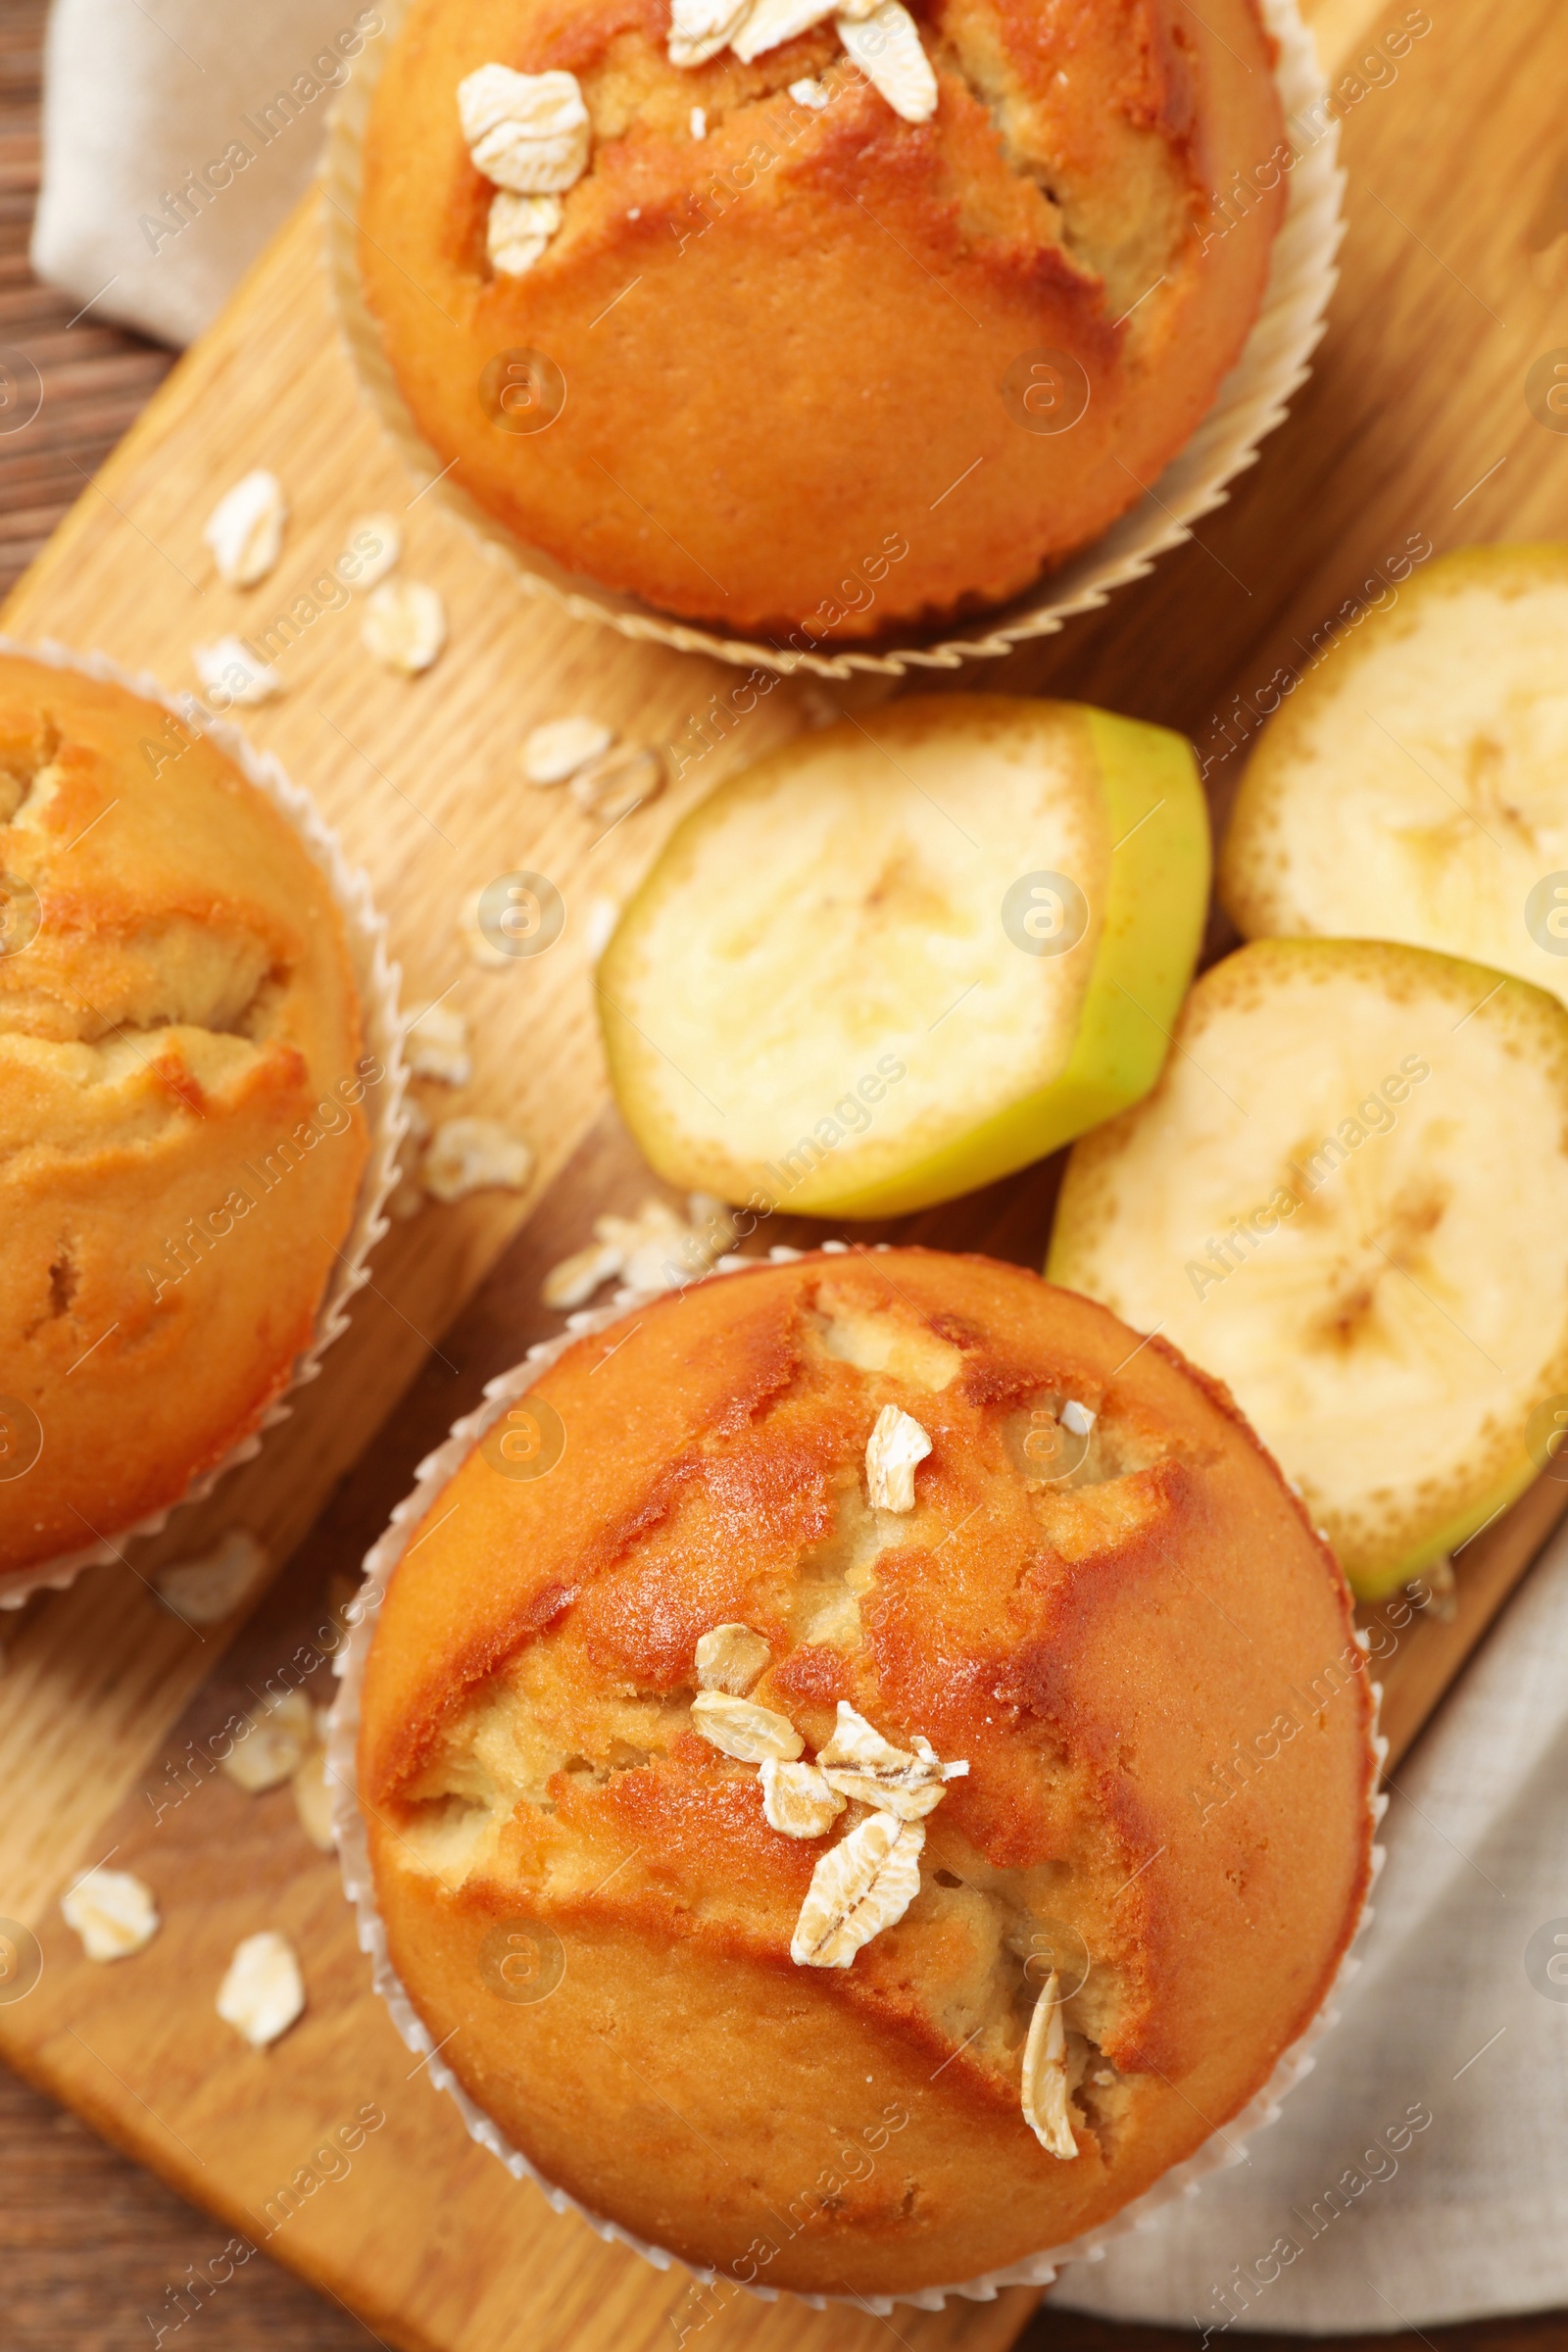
1416, 424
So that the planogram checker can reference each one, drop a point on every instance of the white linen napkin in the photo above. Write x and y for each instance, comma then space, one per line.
1354, 2212
176, 135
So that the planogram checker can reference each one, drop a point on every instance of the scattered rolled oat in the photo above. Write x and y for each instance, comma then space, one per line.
112, 1913
207, 1590
809, 92
263, 1992
405, 625
472, 1155
435, 1043
699, 122
1436, 1588
658, 1247
1044, 2074
859, 1763
228, 666
797, 1799
612, 786
860, 1886
245, 529
700, 28
655, 1250
518, 230
896, 1444
370, 570
312, 1800
576, 1278
739, 1728
886, 46
599, 927
1078, 1417
556, 750
528, 132
731, 1657
275, 1740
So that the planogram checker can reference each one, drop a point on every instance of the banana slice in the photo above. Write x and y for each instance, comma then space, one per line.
1348, 1197
1415, 786
901, 957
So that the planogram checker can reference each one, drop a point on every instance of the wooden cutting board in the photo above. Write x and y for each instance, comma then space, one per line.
1415, 426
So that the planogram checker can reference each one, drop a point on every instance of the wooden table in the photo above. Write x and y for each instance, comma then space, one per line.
89, 2244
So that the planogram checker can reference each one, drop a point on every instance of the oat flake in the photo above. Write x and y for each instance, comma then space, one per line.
862, 1885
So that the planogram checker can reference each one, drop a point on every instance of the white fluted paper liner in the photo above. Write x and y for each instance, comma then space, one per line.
376, 979
1222, 2149
1252, 401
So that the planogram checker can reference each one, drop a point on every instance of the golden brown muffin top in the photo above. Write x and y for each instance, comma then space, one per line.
177, 1014
1093, 1640
171, 896
769, 337
1070, 141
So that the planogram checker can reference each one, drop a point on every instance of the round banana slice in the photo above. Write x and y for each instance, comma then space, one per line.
905, 955
1348, 1197
1415, 785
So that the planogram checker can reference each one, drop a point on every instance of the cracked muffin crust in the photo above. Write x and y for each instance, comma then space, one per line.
181, 1136
795, 336
1101, 1596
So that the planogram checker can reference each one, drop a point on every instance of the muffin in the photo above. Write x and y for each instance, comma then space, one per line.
182, 1134
858, 330
865, 1766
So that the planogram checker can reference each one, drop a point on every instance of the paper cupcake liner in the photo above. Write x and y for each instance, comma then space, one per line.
1220, 2151
1252, 401
377, 980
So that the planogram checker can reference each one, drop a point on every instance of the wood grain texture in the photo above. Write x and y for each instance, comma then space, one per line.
1414, 423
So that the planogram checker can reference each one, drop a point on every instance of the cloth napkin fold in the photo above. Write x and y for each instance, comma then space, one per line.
176, 135
1421, 2174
